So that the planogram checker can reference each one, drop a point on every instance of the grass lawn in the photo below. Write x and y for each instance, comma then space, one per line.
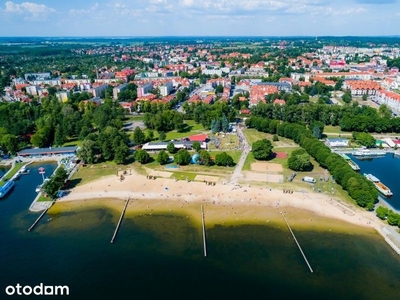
43, 198
11, 173
191, 129
183, 175
195, 168
234, 154
249, 160
332, 129
253, 135
72, 142
134, 118
92, 172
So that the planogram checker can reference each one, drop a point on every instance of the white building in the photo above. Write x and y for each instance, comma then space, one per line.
337, 142
166, 89
33, 90
119, 89
100, 90
62, 96
144, 89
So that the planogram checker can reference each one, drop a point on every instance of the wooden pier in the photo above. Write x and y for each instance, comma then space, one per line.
38, 219
298, 245
204, 231
119, 222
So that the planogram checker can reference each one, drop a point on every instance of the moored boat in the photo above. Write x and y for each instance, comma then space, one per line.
369, 153
24, 170
379, 185
351, 163
6, 188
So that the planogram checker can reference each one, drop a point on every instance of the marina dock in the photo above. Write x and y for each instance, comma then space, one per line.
38, 219
298, 245
119, 222
204, 232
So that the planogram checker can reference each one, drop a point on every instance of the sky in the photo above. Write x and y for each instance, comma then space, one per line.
200, 18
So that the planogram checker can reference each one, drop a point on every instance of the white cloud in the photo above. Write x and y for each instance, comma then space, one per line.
29, 9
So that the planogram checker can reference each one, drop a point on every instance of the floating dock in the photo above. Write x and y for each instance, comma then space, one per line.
119, 222
298, 245
204, 232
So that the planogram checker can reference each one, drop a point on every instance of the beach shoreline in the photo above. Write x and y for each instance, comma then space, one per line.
137, 186
257, 201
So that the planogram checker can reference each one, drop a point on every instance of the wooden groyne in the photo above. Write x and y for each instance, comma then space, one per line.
204, 232
38, 219
298, 245
119, 222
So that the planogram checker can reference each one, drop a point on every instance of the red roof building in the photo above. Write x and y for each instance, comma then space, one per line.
198, 138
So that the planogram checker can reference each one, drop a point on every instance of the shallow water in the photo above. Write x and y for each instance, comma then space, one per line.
161, 257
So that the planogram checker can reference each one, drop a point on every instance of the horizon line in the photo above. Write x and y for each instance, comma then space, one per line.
194, 36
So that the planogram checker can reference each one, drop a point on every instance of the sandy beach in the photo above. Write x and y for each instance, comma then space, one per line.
137, 187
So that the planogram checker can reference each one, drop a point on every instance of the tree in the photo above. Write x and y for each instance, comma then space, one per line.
316, 132
299, 160
121, 153
59, 136
196, 146
89, 151
150, 135
347, 97
205, 158
215, 126
9, 143
262, 149
162, 157
385, 111
364, 138
56, 182
224, 159
382, 212
171, 148
162, 136
142, 156
364, 97
225, 124
219, 89
138, 136
182, 157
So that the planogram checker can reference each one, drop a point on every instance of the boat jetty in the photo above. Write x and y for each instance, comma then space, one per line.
351, 163
379, 185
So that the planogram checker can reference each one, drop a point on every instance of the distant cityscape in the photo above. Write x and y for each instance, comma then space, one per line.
244, 66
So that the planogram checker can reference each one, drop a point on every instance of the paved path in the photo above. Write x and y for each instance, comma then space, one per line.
237, 173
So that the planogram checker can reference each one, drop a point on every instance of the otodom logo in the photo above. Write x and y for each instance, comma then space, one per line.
38, 290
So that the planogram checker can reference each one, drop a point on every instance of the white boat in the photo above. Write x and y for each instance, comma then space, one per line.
379, 185
6, 188
351, 163
24, 170
369, 153
38, 188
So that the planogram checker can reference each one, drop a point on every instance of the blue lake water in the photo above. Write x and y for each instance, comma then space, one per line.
387, 169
